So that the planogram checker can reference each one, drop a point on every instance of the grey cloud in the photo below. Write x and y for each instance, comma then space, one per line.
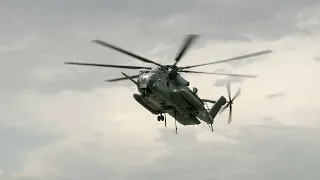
60, 31
234, 19
218, 19
262, 153
276, 95
271, 121
78, 166
16, 142
37, 37
224, 82
269, 118
317, 59
260, 148
229, 79
22, 66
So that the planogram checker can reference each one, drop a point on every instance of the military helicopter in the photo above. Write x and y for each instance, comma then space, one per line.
162, 90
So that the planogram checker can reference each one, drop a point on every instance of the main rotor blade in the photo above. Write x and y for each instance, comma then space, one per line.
125, 52
188, 41
226, 74
135, 82
122, 78
232, 59
107, 65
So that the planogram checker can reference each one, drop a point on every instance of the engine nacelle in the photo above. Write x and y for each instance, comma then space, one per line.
179, 80
192, 99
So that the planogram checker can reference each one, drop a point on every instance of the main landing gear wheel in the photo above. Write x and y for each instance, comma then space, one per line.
160, 118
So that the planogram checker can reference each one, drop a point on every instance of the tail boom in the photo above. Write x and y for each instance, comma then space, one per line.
217, 106
208, 116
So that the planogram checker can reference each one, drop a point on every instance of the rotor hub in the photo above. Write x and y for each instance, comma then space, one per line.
230, 102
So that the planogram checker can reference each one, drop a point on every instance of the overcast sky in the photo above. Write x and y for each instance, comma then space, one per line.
61, 122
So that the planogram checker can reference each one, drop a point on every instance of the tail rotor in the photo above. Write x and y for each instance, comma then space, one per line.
230, 102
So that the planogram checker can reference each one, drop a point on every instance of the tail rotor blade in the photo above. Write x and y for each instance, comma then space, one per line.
229, 91
236, 95
230, 115
230, 102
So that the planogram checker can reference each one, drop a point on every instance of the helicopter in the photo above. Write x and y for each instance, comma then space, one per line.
163, 90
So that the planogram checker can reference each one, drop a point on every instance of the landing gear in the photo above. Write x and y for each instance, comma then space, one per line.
160, 117
175, 122
164, 118
211, 127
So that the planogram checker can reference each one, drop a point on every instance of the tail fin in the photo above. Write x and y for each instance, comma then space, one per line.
217, 106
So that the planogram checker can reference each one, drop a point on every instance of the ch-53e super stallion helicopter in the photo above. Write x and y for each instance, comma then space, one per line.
163, 90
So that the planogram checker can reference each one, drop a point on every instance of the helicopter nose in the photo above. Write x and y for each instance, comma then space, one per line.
143, 82
151, 81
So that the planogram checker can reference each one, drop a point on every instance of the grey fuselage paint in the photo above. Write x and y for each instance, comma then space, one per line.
162, 92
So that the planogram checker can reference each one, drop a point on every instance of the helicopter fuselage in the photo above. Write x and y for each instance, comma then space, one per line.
165, 91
